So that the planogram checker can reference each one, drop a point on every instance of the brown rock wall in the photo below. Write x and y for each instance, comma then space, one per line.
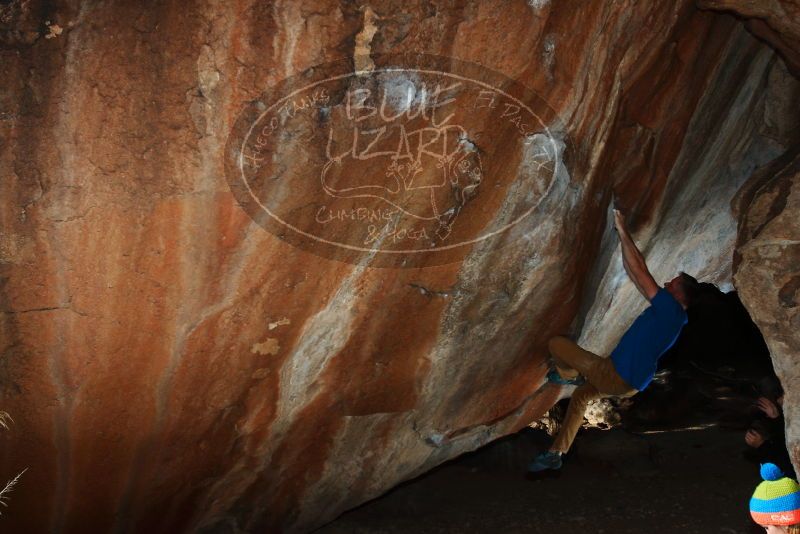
173, 367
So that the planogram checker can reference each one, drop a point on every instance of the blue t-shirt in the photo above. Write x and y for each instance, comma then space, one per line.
650, 335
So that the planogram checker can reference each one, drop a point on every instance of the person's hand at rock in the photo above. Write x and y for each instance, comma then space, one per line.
754, 438
768, 407
619, 221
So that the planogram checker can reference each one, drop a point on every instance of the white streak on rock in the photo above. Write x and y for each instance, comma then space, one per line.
269, 346
361, 55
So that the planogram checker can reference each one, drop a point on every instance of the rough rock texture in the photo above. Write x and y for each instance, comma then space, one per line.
775, 21
767, 273
767, 258
173, 367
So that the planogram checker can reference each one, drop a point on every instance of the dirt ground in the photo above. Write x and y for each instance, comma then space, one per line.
688, 480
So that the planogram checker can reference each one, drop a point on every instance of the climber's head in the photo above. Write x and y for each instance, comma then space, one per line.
684, 288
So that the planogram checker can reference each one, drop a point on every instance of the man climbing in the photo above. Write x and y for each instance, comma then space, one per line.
632, 364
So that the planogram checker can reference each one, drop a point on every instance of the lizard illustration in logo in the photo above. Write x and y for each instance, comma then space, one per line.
428, 174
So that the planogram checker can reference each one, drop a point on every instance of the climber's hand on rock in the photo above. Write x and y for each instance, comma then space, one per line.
768, 407
753, 438
619, 221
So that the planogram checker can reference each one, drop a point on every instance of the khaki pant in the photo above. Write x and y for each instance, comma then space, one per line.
602, 380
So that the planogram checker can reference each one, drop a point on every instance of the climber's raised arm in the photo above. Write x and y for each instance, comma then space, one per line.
630, 367
633, 260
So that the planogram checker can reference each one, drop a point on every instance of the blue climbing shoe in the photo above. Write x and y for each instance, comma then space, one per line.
545, 460
554, 378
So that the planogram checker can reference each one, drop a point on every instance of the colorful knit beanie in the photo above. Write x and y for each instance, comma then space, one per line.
776, 501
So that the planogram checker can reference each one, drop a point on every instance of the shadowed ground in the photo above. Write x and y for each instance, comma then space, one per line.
691, 480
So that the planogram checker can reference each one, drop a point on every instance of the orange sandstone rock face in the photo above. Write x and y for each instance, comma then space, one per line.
176, 360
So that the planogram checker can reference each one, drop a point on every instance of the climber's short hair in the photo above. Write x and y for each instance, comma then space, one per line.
691, 288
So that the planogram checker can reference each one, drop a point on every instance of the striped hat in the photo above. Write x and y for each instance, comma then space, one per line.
776, 501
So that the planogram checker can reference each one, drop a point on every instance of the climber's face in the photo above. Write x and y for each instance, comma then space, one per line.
675, 287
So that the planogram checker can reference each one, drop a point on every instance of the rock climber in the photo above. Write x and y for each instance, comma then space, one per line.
633, 362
